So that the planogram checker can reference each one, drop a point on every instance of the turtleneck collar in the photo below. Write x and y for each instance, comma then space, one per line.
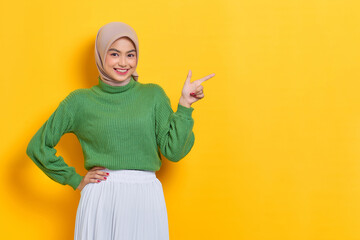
115, 89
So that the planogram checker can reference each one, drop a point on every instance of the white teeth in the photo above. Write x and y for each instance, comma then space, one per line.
119, 70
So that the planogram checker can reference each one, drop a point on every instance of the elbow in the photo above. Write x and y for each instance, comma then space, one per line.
174, 158
176, 154
29, 150
180, 155
177, 157
171, 156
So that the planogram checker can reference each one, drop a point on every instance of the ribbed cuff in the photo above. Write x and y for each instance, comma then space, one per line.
75, 180
185, 111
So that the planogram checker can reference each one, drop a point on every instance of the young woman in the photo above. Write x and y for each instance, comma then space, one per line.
122, 126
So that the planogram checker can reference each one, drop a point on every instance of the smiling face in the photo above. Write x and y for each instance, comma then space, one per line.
120, 61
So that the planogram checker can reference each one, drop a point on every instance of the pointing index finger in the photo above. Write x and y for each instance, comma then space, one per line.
206, 77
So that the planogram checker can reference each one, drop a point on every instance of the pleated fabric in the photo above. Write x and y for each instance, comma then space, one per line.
129, 205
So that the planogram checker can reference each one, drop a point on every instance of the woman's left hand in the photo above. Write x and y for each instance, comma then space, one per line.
193, 91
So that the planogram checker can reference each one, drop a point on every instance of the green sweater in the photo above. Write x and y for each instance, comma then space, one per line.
118, 127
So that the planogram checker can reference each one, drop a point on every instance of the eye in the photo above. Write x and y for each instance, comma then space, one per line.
113, 54
131, 55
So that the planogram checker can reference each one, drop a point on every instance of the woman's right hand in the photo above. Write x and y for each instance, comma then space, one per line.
94, 175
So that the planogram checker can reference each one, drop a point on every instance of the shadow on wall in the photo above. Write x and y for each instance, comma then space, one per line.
21, 189
24, 191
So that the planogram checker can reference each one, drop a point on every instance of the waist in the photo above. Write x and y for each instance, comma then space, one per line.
127, 175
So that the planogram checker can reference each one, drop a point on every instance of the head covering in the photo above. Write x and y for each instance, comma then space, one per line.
106, 35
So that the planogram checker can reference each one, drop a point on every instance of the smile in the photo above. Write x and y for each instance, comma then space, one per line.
121, 72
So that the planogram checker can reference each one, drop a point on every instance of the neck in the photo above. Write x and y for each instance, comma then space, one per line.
116, 89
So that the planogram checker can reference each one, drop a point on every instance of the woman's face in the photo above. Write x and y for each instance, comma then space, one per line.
120, 61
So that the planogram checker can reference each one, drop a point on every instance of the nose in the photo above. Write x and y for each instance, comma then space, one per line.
122, 61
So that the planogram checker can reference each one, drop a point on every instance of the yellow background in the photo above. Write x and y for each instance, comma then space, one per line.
277, 136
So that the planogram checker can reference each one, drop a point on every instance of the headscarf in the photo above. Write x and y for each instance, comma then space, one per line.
106, 35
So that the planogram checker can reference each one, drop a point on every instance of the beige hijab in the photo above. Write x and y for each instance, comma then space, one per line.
106, 35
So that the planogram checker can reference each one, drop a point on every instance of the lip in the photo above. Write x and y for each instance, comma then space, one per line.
121, 73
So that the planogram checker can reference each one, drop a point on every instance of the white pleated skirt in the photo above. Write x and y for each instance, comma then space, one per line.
129, 205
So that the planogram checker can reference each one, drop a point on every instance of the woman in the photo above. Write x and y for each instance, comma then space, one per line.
122, 126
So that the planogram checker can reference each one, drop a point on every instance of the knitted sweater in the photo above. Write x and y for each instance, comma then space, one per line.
118, 127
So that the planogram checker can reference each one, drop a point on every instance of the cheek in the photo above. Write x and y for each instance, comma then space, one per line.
109, 62
132, 62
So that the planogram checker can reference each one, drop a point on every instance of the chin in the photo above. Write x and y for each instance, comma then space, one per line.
119, 79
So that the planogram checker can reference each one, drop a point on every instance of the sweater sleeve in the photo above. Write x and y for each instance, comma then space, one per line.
174, 130
41, 147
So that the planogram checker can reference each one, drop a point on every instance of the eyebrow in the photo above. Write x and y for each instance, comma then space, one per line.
113, 49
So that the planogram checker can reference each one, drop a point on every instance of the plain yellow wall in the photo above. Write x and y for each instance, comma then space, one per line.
276, 154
